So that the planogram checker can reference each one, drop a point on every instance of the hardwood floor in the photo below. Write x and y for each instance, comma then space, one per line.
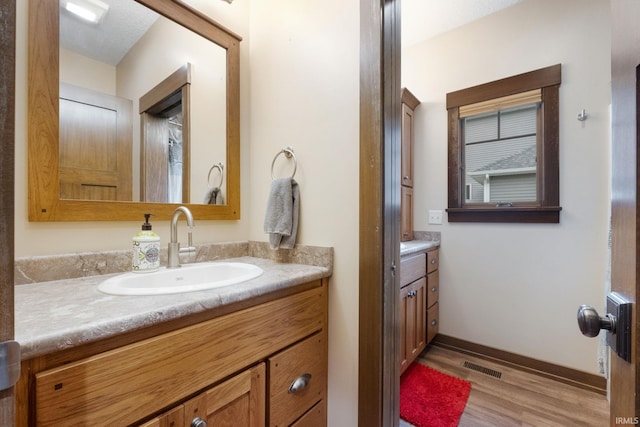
516, 398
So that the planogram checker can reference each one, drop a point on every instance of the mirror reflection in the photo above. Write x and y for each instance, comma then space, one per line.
142, 107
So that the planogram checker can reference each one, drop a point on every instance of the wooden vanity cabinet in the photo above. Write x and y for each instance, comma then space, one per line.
418, 298
227, 370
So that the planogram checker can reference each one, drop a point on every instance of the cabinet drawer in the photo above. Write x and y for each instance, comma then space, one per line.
433, 288
432, 322
432, 261
315, 417
412, 268
305, 359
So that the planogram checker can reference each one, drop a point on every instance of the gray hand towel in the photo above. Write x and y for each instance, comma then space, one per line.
213, 196
281, 218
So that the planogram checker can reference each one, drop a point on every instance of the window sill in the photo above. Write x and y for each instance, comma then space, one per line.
549, 215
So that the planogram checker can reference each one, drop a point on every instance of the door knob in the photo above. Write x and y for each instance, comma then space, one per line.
617, 323
590, 321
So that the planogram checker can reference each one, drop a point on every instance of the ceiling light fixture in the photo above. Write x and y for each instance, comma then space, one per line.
89, 10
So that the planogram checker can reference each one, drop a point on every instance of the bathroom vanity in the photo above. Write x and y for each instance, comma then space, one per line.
419, 290
255, 353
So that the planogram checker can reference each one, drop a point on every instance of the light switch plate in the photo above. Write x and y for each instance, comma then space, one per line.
435, 217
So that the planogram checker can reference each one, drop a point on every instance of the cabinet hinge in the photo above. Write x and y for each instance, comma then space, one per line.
9, 364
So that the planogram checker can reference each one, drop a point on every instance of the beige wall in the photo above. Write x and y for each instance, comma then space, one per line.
517, 287
86, 72
304, 94
299, 88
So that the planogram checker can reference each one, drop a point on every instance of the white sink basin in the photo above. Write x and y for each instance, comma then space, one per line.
188, 278
402, 246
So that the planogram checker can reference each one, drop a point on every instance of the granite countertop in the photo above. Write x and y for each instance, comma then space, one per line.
55, 315
416, 246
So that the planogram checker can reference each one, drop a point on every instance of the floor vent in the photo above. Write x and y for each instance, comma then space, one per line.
482, 369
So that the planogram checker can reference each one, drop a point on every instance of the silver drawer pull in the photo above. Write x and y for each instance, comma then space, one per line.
433, 261
434, 322
300, 383
434, 289
198, 422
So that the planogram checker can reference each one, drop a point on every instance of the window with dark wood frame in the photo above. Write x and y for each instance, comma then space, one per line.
546, 208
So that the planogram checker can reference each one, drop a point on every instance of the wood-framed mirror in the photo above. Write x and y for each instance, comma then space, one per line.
47, 202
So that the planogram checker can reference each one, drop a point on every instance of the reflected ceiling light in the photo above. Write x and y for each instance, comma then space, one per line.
89, 10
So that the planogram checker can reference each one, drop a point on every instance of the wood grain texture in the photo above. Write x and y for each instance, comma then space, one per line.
95, 145
285, 407
7, 177
316, 416
126, 384
433, 260
412, 268
406, 214
625, 215
239, 401
379, 222
548, 76
590, 382
517, 398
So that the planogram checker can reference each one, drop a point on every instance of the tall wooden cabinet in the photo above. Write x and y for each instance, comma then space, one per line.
409, 104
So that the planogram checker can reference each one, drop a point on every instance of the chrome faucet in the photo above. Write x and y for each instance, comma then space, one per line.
174, 245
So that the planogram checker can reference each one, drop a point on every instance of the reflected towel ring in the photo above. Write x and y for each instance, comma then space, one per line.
288, 153
220, 167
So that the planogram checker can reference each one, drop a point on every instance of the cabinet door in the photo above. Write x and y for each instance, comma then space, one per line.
404, 300
407, 146
414, 305
237, 402
406, 214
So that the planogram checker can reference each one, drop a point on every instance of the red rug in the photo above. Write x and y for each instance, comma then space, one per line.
429, 398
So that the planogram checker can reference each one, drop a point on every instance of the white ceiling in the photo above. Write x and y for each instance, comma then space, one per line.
122, 26
127, 21
423, 19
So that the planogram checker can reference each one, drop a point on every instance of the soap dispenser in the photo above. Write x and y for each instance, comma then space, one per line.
146, 249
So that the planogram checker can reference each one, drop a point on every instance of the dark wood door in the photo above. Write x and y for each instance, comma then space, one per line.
625, 62
7, 177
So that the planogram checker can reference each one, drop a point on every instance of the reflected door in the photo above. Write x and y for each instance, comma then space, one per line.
95, 145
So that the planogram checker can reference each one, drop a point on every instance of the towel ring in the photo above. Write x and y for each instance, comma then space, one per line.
288, 153
220, 167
